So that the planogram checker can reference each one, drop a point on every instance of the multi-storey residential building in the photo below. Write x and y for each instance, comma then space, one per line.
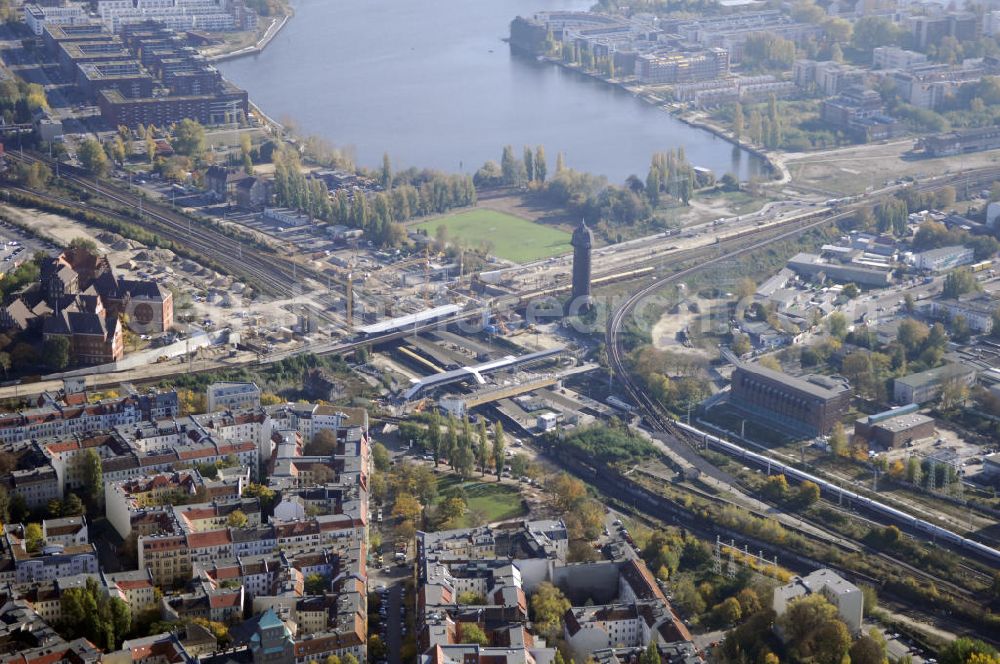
640, 615
135, 588
930, 30
931, 86
228, 105
844, 595
38, 486
977, 309
350, 424
236, 560
74, 54
22, 563
206, 15
38, 16
256, 574
893, 57
205, 601
45, 597
166, 557
501, 565
53, 35
232, 396
203, 517
833, 78
860, 113
67, 531
660, 68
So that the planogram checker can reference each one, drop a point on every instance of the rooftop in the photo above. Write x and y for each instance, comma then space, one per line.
823, 387
904, 422
932, 376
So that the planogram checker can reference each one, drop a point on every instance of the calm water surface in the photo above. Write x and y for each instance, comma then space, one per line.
431, 83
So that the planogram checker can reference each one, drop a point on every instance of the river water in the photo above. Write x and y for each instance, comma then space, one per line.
431, 83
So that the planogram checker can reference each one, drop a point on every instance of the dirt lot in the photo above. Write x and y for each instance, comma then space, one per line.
664, 332
51, 227
702, 209
852, 170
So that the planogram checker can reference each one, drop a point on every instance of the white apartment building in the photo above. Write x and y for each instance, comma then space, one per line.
232, 396
37, 17
207, 15
893, 57
843, 594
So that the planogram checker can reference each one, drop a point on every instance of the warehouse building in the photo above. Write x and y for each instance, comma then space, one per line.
812, 266
926, 386
961, 141
812, 404
991, 466
944, 258
895, 428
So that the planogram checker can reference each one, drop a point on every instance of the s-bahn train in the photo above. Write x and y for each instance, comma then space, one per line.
875, 506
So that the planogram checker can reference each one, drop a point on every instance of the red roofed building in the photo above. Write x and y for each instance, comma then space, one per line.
210, 545
166, 557
135, 588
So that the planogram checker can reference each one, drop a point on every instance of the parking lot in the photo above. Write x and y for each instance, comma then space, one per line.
18, 247
391, 626
898, 646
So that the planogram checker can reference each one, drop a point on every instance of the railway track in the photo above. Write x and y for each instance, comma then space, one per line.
661, 262
854, 545
661, 422
269, 271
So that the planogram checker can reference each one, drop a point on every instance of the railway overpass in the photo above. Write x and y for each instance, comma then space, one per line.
477, 371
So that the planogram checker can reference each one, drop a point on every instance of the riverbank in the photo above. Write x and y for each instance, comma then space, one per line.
272, 30
773, 162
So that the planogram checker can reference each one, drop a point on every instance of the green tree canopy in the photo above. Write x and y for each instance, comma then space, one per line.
813, 631
380, 457
324, 443
55, 352
473, 633
548, 604
93, 477
962, 649
189, 138
93, 158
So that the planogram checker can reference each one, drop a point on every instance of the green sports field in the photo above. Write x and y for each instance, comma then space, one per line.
505, 235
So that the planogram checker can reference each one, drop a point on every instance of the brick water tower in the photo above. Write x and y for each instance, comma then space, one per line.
583, 242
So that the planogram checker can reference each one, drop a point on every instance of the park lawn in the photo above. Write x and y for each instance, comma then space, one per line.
497, 502
504, 235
